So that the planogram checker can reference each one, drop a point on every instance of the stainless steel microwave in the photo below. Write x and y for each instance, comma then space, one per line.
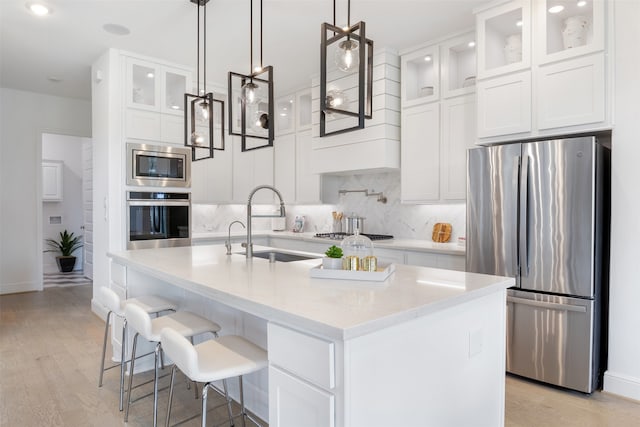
158, 166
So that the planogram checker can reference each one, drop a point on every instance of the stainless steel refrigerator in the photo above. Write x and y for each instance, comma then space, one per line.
539, 212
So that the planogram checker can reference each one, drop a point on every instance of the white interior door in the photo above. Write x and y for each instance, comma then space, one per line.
87, 206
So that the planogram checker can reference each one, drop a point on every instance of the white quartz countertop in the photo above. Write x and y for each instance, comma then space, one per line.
399, 244
285, 292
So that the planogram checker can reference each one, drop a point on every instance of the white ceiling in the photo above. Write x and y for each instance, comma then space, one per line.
64, 44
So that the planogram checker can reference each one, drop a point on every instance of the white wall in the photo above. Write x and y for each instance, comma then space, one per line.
24, 116
623, 373
69, 150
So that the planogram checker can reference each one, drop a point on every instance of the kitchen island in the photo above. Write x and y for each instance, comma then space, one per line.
424, 347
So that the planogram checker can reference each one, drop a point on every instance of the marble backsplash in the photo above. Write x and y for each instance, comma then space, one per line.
393, 217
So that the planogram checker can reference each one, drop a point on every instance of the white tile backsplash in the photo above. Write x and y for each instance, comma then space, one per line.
400, 220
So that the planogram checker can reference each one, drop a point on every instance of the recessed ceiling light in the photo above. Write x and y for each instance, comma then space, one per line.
427, 58
556, 9
39, 9
582, 3
472, 43
116, 29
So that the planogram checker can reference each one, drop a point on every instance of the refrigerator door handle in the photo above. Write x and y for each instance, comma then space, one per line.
547, 305
523, 255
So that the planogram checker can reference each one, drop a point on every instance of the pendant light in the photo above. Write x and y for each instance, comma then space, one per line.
348, 76
251, 99
204, 115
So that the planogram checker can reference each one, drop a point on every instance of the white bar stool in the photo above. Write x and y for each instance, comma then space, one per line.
152, 304
185, 323
225, 357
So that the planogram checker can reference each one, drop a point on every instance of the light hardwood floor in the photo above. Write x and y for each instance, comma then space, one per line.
50, 345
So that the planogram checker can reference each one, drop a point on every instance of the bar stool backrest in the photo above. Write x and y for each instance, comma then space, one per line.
110, 299
180, 350
139, 320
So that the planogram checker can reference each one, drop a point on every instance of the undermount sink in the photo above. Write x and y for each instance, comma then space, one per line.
282, 256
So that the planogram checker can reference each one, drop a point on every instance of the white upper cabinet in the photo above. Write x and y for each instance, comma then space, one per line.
458, 66
568, 28
156, 87
504, 38
562, 89
154, 100
285, 112
420, 76
303, 110
52, 172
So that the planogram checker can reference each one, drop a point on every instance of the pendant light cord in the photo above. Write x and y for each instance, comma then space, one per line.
204, 50
261, 35
198, 54
251, 34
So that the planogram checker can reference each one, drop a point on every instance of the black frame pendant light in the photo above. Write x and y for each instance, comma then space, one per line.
251, 100
350, 82
203, 115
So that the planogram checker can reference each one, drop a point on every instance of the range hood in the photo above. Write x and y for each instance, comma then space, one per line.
377, 146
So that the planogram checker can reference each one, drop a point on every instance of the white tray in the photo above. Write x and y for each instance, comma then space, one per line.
380, 275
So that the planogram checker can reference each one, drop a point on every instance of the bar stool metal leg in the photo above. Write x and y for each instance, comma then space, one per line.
123, 362
173, 377
104, 348
242, 412
155, 383
133, 360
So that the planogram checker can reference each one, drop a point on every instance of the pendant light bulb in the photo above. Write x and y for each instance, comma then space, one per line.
250, 93
203, 111
197, 139
347, 56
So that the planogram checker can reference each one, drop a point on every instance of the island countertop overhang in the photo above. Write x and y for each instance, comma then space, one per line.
285, 293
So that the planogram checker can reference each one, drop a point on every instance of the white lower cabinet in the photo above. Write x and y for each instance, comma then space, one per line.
434, 260
295, 403
301, 377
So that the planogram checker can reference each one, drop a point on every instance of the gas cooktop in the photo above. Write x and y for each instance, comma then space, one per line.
341, 235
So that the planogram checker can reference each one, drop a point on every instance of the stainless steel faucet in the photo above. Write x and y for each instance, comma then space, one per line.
227, 244
249, 244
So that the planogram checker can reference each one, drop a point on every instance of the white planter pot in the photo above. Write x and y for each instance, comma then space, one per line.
332, 263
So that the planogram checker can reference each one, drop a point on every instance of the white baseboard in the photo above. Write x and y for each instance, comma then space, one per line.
622, 385
14, 288
99, 309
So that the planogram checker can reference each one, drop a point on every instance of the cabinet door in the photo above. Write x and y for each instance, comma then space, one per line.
285, 113
571, 92
250, 169
420, 153
175, 83
458, 135
458, 71
211, 179
141, 124
52, 180
504, 105
307, 183
142, 85
284, 149
504, 38
172, 129
295, 403
303, 110
420, 76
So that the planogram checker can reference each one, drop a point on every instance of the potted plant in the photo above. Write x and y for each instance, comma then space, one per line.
333, 259
66, 245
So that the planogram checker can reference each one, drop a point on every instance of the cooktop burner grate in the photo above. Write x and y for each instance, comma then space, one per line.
341, 235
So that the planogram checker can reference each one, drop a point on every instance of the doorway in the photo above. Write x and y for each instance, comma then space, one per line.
67, 204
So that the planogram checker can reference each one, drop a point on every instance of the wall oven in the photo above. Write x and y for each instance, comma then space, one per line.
157, 219
158, 166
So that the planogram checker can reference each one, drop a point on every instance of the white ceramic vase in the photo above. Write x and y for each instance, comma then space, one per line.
332, 263
574, 32
513, 48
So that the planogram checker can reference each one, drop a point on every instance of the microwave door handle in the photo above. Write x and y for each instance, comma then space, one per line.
523, 220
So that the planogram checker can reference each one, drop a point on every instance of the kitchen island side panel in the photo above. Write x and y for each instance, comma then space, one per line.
445, 369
